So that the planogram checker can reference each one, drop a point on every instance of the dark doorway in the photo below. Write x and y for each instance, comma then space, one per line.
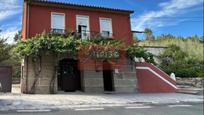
69, 75
108, 77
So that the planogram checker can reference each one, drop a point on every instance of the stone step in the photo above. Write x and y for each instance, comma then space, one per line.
194, 91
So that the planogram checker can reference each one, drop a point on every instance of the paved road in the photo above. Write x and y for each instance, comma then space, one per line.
173, 109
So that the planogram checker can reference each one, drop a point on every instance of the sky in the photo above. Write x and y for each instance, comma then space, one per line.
176, 17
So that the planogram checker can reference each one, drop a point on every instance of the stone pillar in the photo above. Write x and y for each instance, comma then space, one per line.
43, 80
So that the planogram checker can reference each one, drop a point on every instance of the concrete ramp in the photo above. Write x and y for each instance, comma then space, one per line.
153, 80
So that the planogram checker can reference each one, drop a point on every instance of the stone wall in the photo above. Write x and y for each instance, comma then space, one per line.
91, 80
126, 81
156, 51
33, 81
190, 82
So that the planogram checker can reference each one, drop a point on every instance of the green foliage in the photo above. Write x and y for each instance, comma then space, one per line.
17, 36
43, 43
4, 50
9, 58
102, 41
174, 53
175, 60
193, 45
134, 51
184, 55
15, 62
56, 44
148, 34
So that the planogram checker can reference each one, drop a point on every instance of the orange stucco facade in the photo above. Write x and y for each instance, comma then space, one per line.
37, 19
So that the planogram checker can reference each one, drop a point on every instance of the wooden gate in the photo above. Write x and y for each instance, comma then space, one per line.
5, 78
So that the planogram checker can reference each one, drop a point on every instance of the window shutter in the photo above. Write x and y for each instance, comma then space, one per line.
106, 27
58, 21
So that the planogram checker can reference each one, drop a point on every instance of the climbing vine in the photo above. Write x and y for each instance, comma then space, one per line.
57, 44
37, 70
133, 51
101, 49
45, 42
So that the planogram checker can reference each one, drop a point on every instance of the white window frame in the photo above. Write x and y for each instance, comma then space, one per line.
111, 26
88, 25
57, 13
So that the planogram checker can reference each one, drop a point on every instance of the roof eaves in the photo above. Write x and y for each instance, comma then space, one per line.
84, 6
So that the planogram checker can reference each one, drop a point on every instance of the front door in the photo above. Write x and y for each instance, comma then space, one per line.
69, 75
108, 77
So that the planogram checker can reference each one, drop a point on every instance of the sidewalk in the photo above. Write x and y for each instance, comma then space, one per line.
16, 101
68, 100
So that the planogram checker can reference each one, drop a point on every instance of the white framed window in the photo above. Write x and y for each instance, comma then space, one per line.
106, 27
58, 22
82, 26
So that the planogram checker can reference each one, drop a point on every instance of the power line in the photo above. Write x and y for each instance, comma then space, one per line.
171, 16
186, 21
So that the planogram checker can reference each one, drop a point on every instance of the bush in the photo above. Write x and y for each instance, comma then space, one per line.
192, 45
177, 61
135, 51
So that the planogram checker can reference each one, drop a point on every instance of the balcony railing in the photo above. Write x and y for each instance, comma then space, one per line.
106, 34
57, 31
85, 34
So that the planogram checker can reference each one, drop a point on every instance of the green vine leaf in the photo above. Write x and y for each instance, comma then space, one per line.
72, 44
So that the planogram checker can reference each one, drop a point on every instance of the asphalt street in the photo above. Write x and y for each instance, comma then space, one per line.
168, 109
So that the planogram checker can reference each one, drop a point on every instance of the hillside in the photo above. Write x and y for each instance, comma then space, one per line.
191, 45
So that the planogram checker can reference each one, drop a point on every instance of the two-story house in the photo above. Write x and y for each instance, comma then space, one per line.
52, 16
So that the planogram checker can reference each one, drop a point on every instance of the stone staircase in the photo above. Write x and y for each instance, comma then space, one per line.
189, 90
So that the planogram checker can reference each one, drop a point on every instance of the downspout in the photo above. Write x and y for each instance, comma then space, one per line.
26, 77
27, 34
28, 19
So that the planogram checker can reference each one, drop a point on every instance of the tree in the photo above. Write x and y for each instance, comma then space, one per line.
175, 60
174, 53
148, 34
9, 57
136, 39
17, 36
4, 50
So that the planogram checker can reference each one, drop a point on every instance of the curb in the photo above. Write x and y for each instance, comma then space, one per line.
50, 109
180, 102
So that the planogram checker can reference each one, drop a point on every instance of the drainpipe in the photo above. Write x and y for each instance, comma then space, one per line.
27, 34
26, 77
28, 18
